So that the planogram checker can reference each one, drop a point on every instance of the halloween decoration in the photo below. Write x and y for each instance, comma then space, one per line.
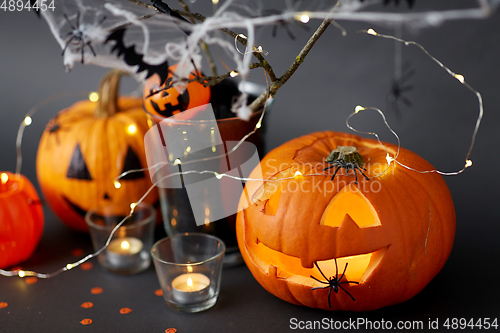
132, 58
78, 36
391, 234
85, 147
333, 283
165, 9
347, 158
21, 219
165, 100
399, 88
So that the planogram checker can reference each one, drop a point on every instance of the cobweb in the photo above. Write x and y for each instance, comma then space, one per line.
134, 36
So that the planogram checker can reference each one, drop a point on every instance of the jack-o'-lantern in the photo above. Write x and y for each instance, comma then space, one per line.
318, 236
21, 219
86, 146
166, 100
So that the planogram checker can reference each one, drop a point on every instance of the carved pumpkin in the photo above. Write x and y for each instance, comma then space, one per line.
85, 147
394, 232
163, 102
21, 219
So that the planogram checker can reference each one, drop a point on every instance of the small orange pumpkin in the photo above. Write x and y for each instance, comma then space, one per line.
391, 234
163, 102
21, 219
86, 146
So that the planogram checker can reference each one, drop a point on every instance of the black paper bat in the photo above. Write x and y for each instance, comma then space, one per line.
132, 58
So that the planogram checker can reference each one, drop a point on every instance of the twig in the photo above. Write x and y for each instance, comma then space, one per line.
204, 45
276, 84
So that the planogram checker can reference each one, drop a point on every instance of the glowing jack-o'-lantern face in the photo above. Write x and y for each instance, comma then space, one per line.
393, 232
160, 100
83, 151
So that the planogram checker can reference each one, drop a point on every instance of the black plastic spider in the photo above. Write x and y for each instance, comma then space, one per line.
78, 35
346, 157
398, 88
333, 283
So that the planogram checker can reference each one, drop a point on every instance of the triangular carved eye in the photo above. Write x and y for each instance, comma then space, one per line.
132, 162
77, 167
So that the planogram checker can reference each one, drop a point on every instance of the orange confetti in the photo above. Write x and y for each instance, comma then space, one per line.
77, 252
31, 280
159, 292
125, 310
86, 321
86, 266
170, 330
96, 290
3, 305
87, 305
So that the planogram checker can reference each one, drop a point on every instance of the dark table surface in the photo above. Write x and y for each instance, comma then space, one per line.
55, 305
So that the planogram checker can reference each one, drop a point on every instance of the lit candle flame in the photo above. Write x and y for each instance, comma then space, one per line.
125, 245
190, 282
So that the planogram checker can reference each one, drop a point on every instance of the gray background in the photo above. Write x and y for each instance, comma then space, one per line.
339, 73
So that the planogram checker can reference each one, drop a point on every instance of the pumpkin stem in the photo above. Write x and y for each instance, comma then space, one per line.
108, 91
348, 154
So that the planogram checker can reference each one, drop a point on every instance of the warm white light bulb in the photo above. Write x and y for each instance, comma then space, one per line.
28, 121
4, 178
117, 184
304, 18
371, 32
358, 108
93, 96
132, 129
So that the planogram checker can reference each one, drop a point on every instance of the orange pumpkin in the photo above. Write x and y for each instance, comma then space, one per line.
86, 146
21, 219
163, 102
391, 234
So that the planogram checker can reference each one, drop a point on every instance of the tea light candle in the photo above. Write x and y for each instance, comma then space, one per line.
123, 252
191, 288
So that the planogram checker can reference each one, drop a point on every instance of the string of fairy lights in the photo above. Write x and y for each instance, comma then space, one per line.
28, 120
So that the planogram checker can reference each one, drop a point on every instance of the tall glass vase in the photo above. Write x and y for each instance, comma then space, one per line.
193, 155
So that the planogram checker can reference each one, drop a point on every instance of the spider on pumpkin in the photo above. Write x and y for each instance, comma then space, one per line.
333, 283
78, 35
346, 157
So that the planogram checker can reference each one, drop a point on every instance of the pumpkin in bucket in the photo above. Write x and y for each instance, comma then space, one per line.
86, 146
165, 100
344, 242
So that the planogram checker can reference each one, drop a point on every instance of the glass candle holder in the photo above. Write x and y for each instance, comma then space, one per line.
128, 250
189, 268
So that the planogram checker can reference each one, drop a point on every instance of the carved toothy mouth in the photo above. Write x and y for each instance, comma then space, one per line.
282, 266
